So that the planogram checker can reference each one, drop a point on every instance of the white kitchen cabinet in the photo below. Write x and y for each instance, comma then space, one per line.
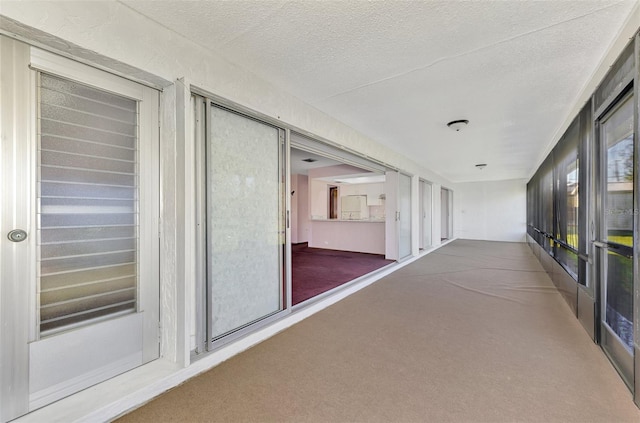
354, 207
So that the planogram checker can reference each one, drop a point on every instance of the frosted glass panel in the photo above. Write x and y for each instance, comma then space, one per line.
88, 200
405, 216
244, 221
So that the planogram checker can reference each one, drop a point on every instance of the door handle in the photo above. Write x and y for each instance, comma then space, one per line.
600, 244
17, 235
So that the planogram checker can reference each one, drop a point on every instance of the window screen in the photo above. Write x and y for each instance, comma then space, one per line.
534, 205
567, 177
88, 204
546, 194
584, 143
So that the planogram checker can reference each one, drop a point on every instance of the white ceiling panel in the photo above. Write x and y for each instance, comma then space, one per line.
399, 71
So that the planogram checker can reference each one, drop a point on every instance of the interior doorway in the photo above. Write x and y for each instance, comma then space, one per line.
333, 201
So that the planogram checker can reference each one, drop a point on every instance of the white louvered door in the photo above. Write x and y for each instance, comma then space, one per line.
97, 236
90, 292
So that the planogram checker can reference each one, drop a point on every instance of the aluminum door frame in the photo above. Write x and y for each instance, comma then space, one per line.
610, 343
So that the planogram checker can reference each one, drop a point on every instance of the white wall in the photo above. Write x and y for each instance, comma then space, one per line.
359, 236
493, 210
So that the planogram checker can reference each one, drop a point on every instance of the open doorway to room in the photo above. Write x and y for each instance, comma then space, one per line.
337, 223
333, 201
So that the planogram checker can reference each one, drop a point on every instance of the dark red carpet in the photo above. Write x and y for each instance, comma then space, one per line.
316, 270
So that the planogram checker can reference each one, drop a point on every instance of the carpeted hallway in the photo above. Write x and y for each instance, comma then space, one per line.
473, 332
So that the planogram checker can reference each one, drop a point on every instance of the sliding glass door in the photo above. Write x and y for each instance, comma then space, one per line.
245, 227
425, 214
616, 240
404, 220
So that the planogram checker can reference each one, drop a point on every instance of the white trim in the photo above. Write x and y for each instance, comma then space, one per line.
34, 205
48, 42
149, 219
423, 184
70, 69
196, 188
184, 222
16, 182
416, 216
321, 148
399, 222
98, 352
60, 390
450, 230
391, 235
117, 396
288, 219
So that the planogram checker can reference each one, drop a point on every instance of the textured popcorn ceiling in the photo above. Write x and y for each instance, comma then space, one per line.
399, 71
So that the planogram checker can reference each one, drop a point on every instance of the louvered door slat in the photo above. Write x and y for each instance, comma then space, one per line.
88, 204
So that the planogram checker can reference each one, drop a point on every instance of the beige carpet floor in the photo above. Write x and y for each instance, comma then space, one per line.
474, 332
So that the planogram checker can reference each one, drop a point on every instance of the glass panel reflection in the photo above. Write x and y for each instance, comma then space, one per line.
617, 138
569, 260
572, 204
617, 132
619, 301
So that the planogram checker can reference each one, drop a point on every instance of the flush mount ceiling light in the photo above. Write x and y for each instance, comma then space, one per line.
481, 165
457, 125
309, 160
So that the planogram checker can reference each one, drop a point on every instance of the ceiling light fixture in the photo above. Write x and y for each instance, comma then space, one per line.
309, 160
481, 165
457, 125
